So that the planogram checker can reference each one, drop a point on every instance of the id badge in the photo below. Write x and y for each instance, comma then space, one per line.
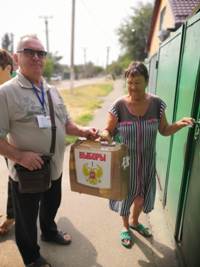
44, 121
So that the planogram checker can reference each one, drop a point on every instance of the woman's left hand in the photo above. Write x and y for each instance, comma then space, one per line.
186, 121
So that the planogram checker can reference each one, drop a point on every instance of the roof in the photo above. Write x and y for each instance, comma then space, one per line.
181, 9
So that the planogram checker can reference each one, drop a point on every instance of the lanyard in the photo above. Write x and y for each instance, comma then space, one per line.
41, 99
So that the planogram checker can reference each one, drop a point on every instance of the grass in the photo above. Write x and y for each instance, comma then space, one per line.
83, 102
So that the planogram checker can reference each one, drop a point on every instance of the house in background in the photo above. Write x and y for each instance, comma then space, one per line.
168, 16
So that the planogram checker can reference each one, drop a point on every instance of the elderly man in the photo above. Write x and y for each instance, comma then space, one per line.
24, 121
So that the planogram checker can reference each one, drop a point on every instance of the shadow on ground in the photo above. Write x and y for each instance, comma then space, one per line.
157, 253
80, 253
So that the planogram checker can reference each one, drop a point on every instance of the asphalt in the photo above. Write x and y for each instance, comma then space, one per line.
94, 228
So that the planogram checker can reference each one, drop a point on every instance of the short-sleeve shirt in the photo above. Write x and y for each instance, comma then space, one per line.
19, 107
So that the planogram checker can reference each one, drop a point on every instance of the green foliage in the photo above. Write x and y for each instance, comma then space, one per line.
58, 68
83, 103
48, 68
88, 70
70, 139
133, 33
7, 42
84, 119
117, 67
52, 65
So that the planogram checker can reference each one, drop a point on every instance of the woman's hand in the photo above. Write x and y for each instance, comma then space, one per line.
186, 121
169, 129
105, 136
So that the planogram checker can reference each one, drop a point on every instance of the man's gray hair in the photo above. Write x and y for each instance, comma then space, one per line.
24, 38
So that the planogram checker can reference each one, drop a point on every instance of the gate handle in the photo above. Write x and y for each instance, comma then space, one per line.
197, 129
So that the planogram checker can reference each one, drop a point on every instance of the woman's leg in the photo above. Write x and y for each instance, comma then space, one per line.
126, 239
134, 221
137, 209
125, 220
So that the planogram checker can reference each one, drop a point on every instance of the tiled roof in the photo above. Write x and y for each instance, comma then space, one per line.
183, 8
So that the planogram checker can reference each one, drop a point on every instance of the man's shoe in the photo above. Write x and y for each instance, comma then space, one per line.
40, 262
60, 238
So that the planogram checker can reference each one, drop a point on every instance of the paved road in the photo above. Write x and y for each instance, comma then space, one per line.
66, 84
94, 228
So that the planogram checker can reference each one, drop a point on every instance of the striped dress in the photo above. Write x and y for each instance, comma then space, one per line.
139, 134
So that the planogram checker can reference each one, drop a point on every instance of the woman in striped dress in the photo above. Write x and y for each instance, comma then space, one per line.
136, 118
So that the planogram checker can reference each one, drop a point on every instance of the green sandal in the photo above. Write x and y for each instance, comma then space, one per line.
140, 228
124, 237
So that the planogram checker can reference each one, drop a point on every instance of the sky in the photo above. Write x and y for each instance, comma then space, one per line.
96, 22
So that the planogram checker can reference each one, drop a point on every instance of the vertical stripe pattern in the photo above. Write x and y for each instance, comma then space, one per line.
139, 134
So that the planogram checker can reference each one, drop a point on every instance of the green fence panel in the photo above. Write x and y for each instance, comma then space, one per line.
190, 242
166, 88
187, 83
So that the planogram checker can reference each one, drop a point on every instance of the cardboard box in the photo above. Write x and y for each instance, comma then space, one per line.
99, 169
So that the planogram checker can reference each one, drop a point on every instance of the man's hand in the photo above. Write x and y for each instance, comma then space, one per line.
90, 133
27, 159
77, 130
30, 160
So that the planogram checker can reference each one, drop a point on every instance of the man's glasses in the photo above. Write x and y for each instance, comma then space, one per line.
31, 52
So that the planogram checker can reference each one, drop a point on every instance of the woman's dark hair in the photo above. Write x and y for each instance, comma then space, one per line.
137, 68
5, 59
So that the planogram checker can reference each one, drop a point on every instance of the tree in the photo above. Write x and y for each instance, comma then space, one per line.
88, 70
133, 32
116, 68
7, 42
52, 65
48, 68
58, 68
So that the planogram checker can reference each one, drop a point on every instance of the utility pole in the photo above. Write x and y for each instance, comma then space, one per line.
84, 61
46, 18
107, 56
84, 55
72, 48
12, 43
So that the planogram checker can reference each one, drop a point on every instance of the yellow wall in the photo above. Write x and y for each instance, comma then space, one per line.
168, 22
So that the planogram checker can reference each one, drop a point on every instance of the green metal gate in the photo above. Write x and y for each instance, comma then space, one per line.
167, 76
178, 157
190, 242
186, 90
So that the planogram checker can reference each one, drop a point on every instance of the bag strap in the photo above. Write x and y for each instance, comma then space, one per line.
53, 124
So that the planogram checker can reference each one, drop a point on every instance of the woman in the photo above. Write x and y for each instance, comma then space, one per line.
135, 118
6, 70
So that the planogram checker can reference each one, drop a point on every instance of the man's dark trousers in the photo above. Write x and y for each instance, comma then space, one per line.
26, 208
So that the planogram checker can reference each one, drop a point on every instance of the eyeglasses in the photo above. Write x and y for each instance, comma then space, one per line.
31, 52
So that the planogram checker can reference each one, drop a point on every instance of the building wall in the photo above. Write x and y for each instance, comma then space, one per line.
168, 22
